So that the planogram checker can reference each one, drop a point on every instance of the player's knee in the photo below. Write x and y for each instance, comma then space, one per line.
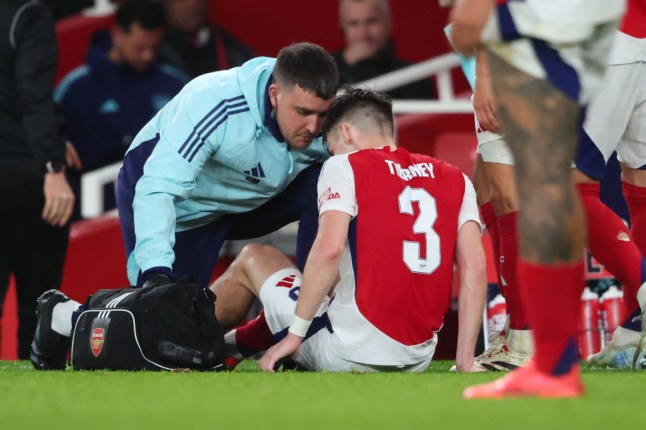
504, 202
253, 252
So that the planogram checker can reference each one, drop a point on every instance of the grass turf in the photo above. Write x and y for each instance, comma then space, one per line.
246, 399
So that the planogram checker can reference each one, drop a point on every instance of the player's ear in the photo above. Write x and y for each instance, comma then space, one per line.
346, 133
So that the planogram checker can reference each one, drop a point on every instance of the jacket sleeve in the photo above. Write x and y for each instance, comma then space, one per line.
34, 41
187, 140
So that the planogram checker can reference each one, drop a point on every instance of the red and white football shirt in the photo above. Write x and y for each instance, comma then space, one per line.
397, 271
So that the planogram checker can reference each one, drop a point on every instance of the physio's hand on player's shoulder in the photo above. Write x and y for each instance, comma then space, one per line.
59, 199
288, 347
484, 105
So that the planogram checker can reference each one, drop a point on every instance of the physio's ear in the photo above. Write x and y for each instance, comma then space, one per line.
274, 90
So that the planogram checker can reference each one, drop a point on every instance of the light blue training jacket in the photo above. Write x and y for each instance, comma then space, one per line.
219, 152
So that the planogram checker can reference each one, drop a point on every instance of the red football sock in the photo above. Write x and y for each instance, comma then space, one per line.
553, 298
254, 336
491, 222
610, 243
636, 200
507, 230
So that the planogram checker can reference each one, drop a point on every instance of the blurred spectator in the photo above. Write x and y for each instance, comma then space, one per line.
34, 225
196, 46
369, 51
105, 102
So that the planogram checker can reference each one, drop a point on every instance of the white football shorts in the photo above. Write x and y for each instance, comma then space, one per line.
570, 50
492, 147
278, 296
616, 117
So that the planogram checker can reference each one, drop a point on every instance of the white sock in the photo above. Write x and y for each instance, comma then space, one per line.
230, 347
62, 317
230, 337
521, 341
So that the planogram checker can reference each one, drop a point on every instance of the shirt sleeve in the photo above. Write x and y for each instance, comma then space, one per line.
34, 41
336, 190
469, 208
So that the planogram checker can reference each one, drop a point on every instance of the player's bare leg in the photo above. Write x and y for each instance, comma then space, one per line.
488, 216
516, 348
541, 127
240, 284
236, 291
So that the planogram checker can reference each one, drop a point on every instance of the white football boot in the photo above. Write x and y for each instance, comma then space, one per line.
619, 352
515, 352
495, 340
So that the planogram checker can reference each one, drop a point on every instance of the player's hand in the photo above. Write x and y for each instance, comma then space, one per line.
469, 18
72, 157
470, 368
153, 278
59, 199
288, 347
484, 105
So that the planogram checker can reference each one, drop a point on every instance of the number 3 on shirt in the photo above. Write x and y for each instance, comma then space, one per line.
423, 225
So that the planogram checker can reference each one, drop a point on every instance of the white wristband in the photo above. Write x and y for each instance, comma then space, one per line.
299, 326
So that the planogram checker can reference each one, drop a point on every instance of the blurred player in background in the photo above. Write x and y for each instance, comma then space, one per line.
546, 59
495, 185
608, 238
379, 277
616, 121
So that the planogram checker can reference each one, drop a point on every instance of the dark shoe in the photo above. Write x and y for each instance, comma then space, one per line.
49, 348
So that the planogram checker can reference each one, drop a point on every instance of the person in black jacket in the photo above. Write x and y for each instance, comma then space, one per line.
369, 51
196, 46
63, 9
34, 219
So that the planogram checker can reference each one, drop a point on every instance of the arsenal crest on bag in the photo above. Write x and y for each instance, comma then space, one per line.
160, 328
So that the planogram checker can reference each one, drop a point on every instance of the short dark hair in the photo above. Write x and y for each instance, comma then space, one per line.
148, 13
370, 103
310, 67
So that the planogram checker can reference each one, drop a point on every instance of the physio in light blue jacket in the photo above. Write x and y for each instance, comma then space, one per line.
235, 155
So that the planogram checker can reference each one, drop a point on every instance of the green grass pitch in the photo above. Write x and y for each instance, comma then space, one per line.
246, 399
